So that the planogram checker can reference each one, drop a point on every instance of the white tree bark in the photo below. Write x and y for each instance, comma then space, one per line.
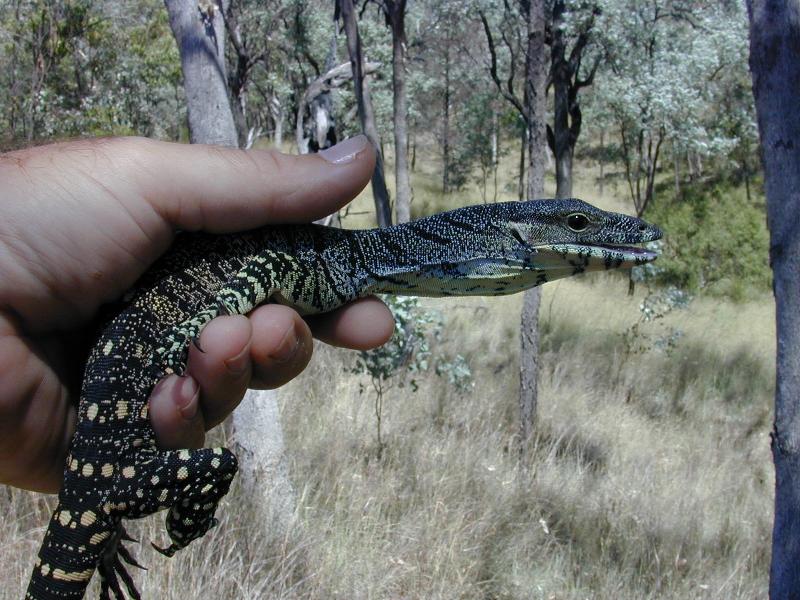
200, 33
264, 473
333, 79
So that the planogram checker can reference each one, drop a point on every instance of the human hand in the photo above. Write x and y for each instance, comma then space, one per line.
81, 221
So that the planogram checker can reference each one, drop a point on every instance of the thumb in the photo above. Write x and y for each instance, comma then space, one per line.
221, 190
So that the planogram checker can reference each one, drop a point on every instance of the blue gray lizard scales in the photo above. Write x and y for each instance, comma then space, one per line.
114, 469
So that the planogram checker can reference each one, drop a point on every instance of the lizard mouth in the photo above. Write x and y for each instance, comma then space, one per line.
590, 257
639, 253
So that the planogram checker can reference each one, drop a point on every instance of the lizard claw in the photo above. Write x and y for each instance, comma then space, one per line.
169, 551
175, 351
196, 344
112, 570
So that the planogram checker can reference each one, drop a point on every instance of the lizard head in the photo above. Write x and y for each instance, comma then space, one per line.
559, 238
503, 248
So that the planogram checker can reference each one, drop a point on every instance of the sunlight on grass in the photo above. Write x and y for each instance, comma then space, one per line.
640, 486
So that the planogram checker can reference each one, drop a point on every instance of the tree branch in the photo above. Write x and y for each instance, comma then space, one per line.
589, 79
509, 96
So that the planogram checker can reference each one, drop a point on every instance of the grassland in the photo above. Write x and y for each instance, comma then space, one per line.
650, 475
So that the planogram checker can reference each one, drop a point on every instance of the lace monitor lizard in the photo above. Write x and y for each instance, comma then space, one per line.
114, 469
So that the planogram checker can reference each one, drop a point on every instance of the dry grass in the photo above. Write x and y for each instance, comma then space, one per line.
638, 488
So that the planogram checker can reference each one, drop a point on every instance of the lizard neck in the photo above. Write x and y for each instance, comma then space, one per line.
443, 255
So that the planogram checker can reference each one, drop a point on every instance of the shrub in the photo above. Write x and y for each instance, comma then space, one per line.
715, 241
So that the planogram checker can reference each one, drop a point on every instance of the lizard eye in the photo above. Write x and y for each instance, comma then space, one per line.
577, 222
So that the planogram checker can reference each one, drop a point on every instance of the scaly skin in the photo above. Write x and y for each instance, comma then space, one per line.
114, 469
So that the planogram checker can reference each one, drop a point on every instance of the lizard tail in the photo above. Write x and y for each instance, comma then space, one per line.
76, 542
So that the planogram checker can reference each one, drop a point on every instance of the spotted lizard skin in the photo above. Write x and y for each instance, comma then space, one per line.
114, 469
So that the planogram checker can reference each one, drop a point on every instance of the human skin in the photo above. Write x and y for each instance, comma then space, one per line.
81, 221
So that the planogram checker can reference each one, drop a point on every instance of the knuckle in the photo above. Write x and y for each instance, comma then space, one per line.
15, 391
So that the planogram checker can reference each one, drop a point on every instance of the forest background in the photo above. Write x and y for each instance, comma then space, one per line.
649, 474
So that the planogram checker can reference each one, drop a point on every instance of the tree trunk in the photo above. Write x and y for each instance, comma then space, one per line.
529, 366
565, 75
263, 464
561, 77
412, 150
521, 186
318, 132
201, 38
535, 96
601, 162
397, 9
238, 107
366, 115
200, 34
564, 173
774, 48
276, 111
652, 164
446, 117
239, 76
495, 154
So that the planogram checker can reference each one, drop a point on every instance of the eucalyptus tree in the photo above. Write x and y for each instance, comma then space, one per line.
345, 9
246, 24
394, 12
505, 59
480, 141
535, 118
525, 46
201, 43
309, 42
573, 39
774, 35
574, 56
275, 51
667, 65
442, 82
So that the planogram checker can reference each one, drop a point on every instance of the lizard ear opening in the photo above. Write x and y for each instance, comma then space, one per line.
517, 234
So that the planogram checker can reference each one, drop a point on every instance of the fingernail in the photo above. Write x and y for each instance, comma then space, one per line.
287, 348
238, 365
346, 151
186, 399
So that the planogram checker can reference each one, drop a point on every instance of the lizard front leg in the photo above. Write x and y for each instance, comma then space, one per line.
264, 277
190, 483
